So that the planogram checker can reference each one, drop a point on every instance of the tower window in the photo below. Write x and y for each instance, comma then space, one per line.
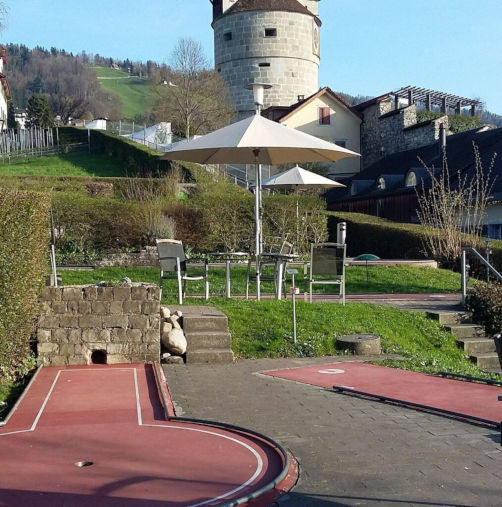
270, 32
227, 36
324, 116
264, 64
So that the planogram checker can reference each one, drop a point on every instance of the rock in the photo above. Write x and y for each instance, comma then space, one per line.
165, 312
165, 328
165, 355
173, 319
173, 360
176, 342
178, 313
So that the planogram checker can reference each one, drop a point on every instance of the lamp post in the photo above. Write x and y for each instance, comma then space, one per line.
258, 95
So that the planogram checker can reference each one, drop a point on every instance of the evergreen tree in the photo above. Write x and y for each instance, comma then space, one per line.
11, 116
39, 112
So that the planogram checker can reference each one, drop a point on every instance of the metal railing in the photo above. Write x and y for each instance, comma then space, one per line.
465, 268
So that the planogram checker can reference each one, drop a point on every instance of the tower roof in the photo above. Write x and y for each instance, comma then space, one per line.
268, 5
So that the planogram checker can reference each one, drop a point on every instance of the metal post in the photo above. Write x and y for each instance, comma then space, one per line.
294, 291
341, 232
464, 275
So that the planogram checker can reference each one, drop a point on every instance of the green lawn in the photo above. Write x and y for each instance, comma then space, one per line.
80, 164
138, 95
382, 279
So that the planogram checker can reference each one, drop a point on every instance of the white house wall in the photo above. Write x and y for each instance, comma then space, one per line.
344, 126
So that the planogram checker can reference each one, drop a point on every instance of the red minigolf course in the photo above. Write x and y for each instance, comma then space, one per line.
111, 422
470, 400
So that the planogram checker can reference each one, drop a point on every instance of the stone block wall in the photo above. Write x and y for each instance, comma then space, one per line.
386, 131
288, 61
122, 323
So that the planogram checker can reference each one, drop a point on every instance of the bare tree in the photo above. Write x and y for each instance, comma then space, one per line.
198, 99
3, 14
454, 205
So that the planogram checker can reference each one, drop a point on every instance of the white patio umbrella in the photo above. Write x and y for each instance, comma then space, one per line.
298, 178
257, 140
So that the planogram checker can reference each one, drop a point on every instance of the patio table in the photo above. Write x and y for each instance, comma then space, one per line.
281, 260
229, 256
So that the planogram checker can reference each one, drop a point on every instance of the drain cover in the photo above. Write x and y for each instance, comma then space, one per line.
83, 464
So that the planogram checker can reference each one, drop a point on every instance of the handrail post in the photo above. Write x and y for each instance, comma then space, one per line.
463, 272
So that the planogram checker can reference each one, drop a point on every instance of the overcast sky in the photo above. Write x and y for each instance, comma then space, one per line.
368, 47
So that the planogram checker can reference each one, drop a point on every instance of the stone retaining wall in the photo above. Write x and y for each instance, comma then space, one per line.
122, 322
147, 257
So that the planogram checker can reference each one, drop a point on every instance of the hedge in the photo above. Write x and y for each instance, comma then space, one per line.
392, 240
24, 238
369, 234
485, 302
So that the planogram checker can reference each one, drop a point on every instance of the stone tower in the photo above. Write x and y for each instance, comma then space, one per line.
267, 41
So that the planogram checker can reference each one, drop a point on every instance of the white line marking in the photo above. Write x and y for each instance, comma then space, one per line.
138, 405
42, 408
331, 371
259, 461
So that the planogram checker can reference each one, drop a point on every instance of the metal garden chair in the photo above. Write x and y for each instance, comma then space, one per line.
278, 260
173, 265
327, 266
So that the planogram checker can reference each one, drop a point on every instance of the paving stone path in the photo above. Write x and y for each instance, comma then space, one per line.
351, 451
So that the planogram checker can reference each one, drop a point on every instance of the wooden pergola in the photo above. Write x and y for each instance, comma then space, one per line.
432, 98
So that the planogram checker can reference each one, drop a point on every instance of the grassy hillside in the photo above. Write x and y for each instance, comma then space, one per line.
138, 95
80, 164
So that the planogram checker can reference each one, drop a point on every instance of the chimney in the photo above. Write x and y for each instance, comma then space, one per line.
442, 138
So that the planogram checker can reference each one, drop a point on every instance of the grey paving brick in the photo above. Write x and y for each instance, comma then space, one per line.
351, 451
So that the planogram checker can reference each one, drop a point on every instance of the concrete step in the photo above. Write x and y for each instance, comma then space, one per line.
452, 318
210, 356
208, 340
203, 323
486, 361
477, 345
466, 330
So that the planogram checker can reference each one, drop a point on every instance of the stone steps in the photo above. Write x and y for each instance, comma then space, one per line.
207, 335
450, 318
210, 356
466, 330
208, 340
487, 361
476, 345
481, 349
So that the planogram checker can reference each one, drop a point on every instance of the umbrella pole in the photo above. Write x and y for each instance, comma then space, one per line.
258, 246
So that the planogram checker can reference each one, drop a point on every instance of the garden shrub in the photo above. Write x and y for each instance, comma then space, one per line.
87, 226
24, 238
227, 218
280, 220
485, 302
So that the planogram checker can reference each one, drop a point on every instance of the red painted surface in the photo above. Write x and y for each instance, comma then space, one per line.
112, 416
470, 399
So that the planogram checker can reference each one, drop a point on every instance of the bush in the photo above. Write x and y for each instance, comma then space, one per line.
485, 302
86, 226
24, 238
280, 221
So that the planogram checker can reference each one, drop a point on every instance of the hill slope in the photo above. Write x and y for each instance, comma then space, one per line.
137, 94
